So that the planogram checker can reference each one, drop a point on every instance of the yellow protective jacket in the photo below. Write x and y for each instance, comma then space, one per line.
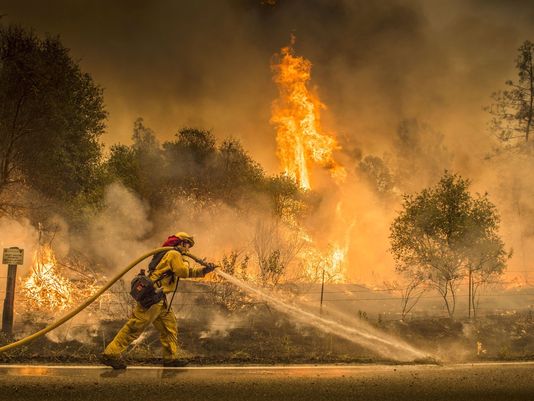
174, 262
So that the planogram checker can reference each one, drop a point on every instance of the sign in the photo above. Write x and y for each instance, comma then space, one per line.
13, 256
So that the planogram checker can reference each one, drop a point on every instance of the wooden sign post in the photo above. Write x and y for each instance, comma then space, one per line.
12, 257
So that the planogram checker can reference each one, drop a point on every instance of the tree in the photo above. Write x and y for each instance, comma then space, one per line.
444, 234
141, 165
190, 161
410, 290
237, 174
275, 247
224, 293
377, 174
288, 202
51, 116
513, 109
486, 257
195, 166
123, 165
486, 264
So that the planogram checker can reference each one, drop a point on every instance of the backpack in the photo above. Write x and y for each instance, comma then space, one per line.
144, 291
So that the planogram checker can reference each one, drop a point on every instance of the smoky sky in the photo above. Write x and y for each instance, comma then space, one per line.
207, 63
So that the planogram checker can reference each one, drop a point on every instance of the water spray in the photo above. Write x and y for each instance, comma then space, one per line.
382, 344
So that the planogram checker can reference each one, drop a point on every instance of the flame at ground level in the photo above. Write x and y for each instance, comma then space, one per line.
46, 289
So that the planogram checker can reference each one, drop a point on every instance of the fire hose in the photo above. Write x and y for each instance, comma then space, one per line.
92, 299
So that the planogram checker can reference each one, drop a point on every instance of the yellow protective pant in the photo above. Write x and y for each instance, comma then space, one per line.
164, 321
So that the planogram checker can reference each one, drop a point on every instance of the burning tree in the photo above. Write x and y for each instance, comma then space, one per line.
444, 234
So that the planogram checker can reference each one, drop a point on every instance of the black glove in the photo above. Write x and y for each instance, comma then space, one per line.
208, 268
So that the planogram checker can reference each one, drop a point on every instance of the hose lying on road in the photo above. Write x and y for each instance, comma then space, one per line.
90, 300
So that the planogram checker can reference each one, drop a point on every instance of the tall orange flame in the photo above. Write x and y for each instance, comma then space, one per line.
301, 141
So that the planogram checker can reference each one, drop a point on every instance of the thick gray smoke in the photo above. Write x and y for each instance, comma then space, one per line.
116, 235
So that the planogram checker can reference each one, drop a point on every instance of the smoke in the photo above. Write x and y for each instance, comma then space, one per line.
84, 328
220, 325
126, 228
217, 229
507, 179
19, 233
117, 235
22, 234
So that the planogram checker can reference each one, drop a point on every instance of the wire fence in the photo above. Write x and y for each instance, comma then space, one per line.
366, 291
204, 296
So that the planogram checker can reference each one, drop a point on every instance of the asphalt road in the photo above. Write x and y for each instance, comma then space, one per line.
489, 381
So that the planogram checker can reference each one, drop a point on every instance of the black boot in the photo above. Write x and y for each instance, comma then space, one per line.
114, 362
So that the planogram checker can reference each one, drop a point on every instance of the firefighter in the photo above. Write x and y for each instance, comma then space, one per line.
165, 269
